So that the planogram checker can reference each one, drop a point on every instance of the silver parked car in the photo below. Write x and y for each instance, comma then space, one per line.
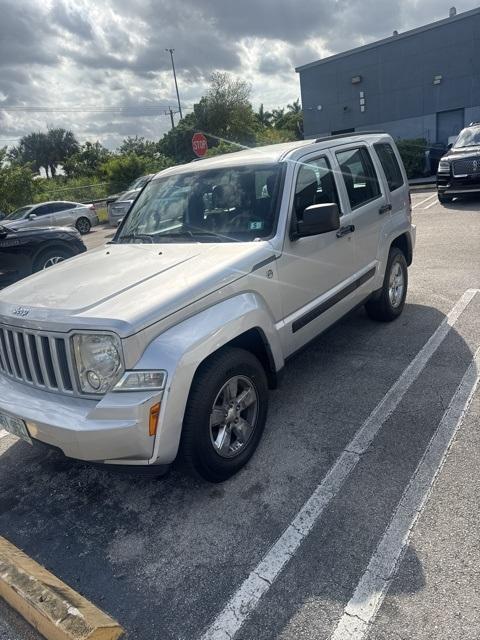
54, 214
167, 340
118, 208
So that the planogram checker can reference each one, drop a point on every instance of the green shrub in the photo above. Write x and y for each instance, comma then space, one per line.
81, 189
120, 171
413, 156
222, 148
17, 188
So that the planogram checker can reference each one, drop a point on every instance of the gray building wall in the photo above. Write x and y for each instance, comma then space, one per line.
397, 82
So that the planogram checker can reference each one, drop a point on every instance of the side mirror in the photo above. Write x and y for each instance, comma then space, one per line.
317, 219
32, 216
449, 146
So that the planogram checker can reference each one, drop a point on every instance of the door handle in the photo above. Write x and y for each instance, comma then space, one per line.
343, 231
385, 209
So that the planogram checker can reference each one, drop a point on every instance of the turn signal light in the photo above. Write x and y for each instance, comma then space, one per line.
153, 421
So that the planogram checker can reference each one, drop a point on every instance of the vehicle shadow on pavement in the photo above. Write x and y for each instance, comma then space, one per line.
470, 203
126, 542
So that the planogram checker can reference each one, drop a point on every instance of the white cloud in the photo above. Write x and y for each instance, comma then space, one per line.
85, 54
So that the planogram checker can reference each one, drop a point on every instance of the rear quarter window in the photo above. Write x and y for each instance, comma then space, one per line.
390, 165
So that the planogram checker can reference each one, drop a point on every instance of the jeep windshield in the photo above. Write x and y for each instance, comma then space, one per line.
211, 205
468, 138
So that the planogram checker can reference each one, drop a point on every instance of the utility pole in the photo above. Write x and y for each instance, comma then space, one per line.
171, 117
175, 78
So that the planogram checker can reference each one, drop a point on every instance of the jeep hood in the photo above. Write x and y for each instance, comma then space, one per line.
127, 287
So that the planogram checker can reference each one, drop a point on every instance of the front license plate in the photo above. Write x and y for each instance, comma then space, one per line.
15, 426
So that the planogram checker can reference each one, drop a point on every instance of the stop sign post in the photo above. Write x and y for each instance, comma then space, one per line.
199, 144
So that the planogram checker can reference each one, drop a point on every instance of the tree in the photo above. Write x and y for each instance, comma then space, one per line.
17, 186
278, 116
177, 143
289, 119
87, 161
225, 112
220, 149
120, 171
61, 144
31, 150
138, 146
44, 150
264, 118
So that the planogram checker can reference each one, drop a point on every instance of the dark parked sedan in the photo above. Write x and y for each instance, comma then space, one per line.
24, 251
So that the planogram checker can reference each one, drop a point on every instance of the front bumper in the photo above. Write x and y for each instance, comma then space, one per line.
113, 429
449, 185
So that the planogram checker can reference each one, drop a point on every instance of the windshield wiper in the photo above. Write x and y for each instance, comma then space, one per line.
135, 236
192, 234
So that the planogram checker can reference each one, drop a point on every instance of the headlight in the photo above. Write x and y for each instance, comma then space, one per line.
99, 361
444, 166
142, 381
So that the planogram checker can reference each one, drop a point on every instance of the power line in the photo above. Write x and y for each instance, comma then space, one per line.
149, 109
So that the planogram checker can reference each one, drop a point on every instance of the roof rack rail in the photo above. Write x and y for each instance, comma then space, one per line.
474, 124
347, 135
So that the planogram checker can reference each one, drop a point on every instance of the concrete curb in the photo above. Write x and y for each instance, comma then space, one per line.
47, 603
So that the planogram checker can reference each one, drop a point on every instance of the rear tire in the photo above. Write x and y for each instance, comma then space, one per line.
83, 226
389, 303
50, 257
225, 415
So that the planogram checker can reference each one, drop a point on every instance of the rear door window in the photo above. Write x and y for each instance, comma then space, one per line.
390, 165
359, 175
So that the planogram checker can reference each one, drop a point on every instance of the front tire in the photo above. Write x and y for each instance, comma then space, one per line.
388, 305
225, 415
50, 257
83, 226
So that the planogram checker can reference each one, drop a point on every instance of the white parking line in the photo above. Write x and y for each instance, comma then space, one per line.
3, 433
418, 204
245, 600
432, 204
373, 586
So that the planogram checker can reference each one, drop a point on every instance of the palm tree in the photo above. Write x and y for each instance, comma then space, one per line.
264, 117
278, 116
32, 149
295, 107
61, 145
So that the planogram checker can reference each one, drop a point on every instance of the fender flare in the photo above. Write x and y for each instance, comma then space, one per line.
181, 349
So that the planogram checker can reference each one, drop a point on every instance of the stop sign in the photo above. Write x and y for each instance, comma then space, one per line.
199, 144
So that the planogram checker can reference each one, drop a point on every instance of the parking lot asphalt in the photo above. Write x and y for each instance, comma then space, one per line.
348, 440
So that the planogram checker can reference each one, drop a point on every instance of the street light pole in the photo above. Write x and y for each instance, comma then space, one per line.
175, 78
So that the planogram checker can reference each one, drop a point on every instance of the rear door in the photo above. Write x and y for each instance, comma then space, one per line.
394, 178
368, 202
64, 214
312, 271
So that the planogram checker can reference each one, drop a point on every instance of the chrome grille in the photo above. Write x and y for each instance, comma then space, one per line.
41, 360
466, 166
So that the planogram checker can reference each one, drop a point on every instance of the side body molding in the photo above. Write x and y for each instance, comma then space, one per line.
182, 348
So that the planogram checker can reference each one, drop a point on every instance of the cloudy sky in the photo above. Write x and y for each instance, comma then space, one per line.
83, 60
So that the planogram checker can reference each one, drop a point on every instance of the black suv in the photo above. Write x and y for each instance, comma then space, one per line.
26, 250
459, 169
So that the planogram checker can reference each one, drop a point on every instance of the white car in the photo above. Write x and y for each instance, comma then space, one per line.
167, 339
54, 214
